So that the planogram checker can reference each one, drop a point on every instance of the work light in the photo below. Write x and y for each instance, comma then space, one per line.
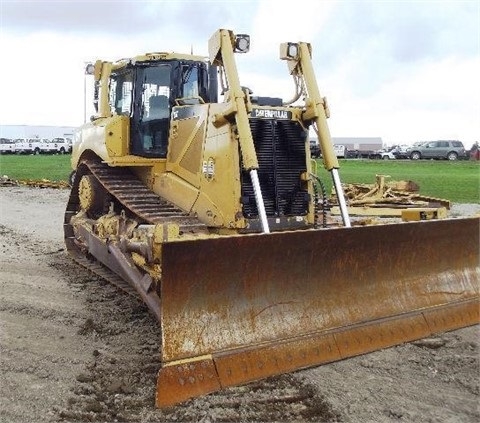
292, 50
242, 43
89, 69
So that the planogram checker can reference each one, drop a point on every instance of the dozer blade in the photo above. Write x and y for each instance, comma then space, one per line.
243, 308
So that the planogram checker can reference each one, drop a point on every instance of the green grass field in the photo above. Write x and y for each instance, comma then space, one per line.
457, 181
52, 167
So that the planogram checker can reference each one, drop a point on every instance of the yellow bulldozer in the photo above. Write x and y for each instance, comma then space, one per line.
209, 212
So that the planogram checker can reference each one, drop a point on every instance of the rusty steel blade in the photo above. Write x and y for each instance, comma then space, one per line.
247, 307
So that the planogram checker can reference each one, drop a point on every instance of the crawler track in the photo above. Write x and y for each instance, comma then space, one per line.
145, 205
131, 195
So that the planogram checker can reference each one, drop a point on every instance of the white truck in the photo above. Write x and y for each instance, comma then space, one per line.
57, 145
28, 145
7, 146
340, 150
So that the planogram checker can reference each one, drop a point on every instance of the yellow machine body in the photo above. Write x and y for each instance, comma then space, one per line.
210, 215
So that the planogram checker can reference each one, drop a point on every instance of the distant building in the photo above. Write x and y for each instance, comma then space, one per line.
34, 131
359, 143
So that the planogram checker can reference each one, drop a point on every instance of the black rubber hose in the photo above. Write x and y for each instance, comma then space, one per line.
325, 204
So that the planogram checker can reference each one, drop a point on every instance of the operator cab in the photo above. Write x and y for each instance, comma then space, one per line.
147, 91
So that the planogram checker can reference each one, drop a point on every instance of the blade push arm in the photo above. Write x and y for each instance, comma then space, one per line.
221, 48
299, 60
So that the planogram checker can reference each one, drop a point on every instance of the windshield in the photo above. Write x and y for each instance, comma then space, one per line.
156, 92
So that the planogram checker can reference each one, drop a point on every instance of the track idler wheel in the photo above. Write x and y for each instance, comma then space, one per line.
91, 195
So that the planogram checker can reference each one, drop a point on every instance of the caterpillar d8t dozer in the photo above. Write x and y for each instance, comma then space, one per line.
208, 211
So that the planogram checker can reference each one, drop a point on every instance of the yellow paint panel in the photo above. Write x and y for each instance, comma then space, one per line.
117, 136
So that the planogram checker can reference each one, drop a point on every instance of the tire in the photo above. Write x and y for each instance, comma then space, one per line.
386, 157
452, 155
36, 151
415, 155
62, 150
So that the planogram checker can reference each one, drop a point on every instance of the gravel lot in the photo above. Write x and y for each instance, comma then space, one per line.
73, 348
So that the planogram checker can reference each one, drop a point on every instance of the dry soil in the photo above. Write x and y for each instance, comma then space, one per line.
73, 349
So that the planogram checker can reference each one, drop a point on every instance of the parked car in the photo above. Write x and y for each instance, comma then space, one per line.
352, 154
475, 152
450, 150
385, 154
7, 146
388, 155
400, 151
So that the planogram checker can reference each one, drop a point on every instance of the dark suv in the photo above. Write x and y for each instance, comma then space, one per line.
451, 150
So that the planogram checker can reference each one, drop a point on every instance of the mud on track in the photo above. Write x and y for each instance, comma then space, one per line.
73, 348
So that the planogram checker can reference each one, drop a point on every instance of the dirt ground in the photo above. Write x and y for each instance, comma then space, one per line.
74, 349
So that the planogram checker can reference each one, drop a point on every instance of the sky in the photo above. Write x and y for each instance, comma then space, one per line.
402, 70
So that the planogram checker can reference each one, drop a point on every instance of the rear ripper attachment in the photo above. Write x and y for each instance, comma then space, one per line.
207, 211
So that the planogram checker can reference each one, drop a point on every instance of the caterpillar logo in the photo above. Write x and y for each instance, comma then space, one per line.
271, 114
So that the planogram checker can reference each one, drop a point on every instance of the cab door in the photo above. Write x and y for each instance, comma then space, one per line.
151, 111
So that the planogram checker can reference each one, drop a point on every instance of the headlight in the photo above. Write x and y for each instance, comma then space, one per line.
89, 69
242, 43
292, 50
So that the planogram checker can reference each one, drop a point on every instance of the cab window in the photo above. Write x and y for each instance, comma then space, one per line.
121, 86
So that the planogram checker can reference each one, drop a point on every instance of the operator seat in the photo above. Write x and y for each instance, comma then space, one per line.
158, 107
154, 128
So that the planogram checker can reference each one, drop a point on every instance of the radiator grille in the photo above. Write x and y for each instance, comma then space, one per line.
280, 147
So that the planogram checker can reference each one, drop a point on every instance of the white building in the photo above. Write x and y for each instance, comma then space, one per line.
32, 131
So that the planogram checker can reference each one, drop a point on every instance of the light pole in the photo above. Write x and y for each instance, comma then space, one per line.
85, 98
89, 70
